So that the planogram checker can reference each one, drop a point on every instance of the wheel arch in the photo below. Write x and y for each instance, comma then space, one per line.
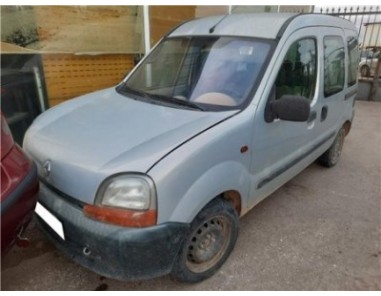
366, 69
234, 197
347, 127
231, 196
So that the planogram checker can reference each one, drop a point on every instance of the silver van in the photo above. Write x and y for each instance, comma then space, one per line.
150, 177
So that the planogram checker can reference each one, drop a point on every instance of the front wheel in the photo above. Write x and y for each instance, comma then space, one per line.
211, 239
332, 155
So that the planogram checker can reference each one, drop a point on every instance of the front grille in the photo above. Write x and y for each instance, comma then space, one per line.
75, 202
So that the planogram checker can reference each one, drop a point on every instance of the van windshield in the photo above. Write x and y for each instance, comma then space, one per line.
200, 72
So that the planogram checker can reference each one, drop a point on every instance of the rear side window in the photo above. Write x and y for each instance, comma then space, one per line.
297, 75
334, 71
353, 62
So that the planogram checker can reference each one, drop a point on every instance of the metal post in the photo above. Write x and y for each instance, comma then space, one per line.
378, 31
40, 92
362, 19
147, 31
361, 28
371, 31
371, 34
375, 82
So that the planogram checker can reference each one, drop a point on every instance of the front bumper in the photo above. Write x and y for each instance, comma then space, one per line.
112, 251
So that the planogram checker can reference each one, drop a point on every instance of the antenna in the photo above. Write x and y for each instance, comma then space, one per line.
211, 30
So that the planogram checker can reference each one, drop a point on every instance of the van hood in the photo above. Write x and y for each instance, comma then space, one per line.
78, 144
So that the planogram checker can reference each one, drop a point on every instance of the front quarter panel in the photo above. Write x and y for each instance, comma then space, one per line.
203, 168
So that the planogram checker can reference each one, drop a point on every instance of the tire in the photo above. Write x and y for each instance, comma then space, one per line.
332, 155
210, 240
365, 71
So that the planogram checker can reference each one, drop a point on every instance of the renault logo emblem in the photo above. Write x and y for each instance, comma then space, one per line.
47, 168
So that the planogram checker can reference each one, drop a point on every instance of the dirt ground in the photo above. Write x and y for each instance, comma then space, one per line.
321, 231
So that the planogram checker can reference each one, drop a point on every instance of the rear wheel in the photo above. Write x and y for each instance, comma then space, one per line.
332, 155
210, 240
365, 71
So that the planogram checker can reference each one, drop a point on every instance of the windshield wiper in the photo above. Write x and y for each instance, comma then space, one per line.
177, 101
155, 97
125, 88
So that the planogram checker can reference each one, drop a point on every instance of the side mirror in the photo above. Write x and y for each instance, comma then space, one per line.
288, 107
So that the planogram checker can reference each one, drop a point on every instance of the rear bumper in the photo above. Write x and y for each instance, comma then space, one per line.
116, 252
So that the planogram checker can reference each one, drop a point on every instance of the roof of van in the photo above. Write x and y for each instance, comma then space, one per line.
261, 25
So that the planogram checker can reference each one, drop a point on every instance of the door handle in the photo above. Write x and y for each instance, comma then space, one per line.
312, 117
350, 94
324, 113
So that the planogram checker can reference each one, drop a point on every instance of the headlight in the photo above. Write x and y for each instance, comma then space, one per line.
135, 192
125, 200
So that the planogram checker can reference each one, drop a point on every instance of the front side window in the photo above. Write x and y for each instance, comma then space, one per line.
334, 71
206, 71
353, 54
297, 75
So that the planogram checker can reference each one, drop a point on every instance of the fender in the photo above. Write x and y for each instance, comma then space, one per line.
203, 168
217, 180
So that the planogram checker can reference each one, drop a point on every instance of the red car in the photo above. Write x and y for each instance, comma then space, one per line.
19, 189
